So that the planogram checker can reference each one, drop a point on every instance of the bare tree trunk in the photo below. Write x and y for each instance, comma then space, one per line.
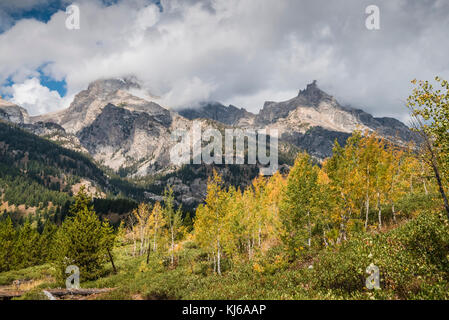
309, 240
135, 245
379, 210
440, 187
218, 258
344, 221
342, 231
393, 211
325, 239
367, 211
433, 163
148, 252
367, 198
112, 260
154, 242
156, 228
141, 240
424, 178
172, 247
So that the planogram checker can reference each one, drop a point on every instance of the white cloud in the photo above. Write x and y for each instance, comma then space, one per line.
239, 51
36, 98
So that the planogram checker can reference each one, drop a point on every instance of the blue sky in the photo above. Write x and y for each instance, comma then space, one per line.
41, 10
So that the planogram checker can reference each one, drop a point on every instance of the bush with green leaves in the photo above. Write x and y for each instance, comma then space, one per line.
412, 260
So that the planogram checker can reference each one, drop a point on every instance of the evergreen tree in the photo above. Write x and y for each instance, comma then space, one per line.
7, 239
26, 247
83, 240
46, 241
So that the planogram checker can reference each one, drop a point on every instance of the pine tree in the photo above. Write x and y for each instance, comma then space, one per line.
46, 241
83, 240
26, 247
7, 239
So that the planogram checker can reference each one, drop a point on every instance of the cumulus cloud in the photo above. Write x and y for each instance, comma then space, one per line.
240, 51
37, 99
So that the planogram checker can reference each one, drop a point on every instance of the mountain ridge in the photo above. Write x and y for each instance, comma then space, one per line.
121, 130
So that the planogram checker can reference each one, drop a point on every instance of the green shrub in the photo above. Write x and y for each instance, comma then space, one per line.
409, 258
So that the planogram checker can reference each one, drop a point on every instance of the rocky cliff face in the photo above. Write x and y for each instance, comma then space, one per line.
230, 115
12, 113
122, 138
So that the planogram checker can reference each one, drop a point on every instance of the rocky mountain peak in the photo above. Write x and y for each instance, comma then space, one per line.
313, 94
89, 103
107, 86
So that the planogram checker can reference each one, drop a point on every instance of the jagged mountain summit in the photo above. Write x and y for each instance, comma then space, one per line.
312, 120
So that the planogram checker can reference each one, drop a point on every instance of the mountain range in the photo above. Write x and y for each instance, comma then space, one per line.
131, 136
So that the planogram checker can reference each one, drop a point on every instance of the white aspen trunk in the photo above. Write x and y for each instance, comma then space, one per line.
215, 264
141, 240
172, 247
367, 211
424, 179
309, 241
379, 210
324, 239
135, 244
367, 201
218, 258
393, 211
154, 240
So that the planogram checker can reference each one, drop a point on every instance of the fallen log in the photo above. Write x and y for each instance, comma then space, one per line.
74, 292
49, 295
10, 294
